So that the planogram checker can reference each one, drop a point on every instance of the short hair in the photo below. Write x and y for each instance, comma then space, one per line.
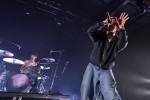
35, 54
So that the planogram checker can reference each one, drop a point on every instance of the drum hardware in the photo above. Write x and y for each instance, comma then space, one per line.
57, 66
3, 75
40, 86
21, 82
48, 59
14, 98
42, 79
6, 53
17, 83
37, 83
44, 68
13, 61
3, 81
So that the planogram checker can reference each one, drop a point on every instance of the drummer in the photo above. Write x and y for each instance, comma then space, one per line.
28, 64
30, 68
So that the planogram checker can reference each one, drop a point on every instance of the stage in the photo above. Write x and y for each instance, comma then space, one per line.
26, 96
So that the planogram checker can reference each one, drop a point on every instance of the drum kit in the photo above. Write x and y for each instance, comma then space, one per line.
22, 82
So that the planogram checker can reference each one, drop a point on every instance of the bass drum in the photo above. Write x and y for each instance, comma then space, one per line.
17, 83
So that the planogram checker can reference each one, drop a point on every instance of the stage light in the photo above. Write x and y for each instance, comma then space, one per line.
59, 21
29, 11
144, 5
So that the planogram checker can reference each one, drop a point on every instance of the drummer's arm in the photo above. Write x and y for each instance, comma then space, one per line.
36, 64
23, 66
21, 69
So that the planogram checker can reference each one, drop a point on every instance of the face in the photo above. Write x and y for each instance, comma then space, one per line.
33, 56
113, 26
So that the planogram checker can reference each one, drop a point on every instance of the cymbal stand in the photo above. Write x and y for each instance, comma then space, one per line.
41, 80
57, 65
3, 76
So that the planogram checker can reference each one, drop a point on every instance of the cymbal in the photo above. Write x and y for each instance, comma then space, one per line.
13, 61
48, 59
6, 53
44, 67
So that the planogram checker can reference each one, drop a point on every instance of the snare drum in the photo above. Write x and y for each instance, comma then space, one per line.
17, 83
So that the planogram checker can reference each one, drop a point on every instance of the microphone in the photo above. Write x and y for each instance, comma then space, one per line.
108, 17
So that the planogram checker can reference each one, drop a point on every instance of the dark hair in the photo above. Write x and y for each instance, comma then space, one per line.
35, 54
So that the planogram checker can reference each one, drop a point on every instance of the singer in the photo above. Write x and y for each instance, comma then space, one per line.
109, 37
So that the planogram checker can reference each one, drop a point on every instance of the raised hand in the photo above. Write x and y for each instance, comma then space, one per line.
122, 20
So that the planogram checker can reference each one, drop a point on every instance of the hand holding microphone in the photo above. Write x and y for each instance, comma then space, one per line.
108, 20
108, 17
113, 22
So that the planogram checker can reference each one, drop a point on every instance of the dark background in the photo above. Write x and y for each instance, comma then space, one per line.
40, 32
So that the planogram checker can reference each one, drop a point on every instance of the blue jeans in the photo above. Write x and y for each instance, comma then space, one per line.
106, 81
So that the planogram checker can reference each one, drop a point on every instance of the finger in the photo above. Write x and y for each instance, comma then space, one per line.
116, 20
108, 24
111, 17
126, 19
121, 16
125, 16
106, 20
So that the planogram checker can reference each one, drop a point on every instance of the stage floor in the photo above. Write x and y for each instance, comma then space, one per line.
27, 96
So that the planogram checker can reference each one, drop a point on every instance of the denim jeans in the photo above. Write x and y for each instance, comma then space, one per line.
94, 74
